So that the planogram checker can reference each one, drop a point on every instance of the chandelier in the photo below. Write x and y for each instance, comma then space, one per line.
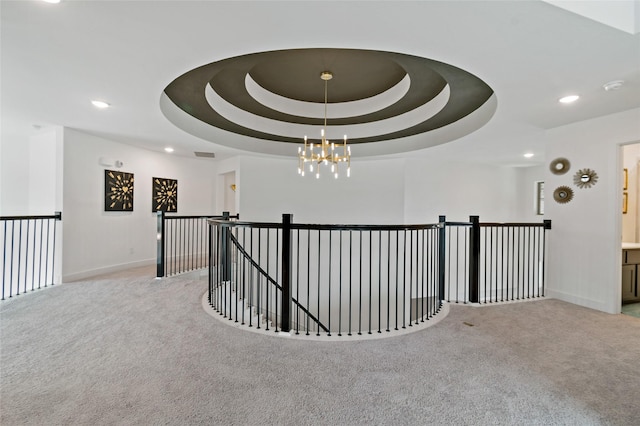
324, 153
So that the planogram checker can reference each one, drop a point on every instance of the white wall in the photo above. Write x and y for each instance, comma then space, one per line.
631, 157
385, 191
45, 175
96, 241
584, 244
459, 190
14, 173
374, 193
526, 178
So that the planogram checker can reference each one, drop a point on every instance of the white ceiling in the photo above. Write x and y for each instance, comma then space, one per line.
56, 58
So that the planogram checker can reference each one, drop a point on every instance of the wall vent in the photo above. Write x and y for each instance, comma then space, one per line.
205, 154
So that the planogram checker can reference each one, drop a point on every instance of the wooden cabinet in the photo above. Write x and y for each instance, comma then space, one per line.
630, 266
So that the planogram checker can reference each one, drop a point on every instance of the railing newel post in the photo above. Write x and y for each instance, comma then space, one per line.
226, 248
160, 245
286, 273
442, 236
474, 259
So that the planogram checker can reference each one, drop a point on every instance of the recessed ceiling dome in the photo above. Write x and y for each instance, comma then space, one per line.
385, 102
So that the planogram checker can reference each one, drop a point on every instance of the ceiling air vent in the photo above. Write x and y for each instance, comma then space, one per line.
205, 154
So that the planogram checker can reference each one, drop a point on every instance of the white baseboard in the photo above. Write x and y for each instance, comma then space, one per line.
106, 270
576, 300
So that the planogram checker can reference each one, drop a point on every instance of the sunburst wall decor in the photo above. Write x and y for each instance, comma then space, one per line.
585, 178
118, 191
165, 195
563, 194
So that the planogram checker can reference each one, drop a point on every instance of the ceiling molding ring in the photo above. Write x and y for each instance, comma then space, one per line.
360, 76
355, 108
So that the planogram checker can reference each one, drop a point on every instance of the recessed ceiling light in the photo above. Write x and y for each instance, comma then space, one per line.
528, 155
569, 99
168, 149
613, 85
51, 1
100, 104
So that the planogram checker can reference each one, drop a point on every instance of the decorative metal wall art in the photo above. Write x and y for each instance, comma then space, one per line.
585, 178
563, 194
165, 195
118, 191
559, 166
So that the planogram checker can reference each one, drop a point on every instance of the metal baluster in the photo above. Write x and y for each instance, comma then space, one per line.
397, 278
328, 288
370, 277
4, 257
308, 276
379, 281
404, 278
388, 280
319, 269
298, 286
340, 290
360, 284
350, 276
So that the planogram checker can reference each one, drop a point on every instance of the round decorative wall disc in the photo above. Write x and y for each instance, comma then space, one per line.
559, 166
585, 178
563, 194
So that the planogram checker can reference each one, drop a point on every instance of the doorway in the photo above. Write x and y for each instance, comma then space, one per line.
229, 191
630, 230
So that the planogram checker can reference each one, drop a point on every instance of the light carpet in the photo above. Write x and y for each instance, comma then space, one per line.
129, 349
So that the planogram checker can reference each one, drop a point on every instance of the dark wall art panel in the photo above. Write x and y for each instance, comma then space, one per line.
165, 195
118, 191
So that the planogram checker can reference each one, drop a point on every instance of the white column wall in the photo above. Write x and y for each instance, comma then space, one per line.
96, 241
584, 244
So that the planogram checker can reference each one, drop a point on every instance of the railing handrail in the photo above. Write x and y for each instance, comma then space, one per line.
56, 215
328, 227
517, 224
503, 224
201, 216
272, 281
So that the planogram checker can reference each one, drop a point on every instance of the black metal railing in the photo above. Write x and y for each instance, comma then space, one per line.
495, 262
183, 243
357, 279
342, 279
28, 253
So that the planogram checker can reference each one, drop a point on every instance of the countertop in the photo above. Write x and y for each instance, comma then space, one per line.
630, 246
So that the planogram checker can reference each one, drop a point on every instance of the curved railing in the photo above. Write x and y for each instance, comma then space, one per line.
366, 279
333, 279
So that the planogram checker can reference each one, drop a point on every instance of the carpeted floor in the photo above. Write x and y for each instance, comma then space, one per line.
129, 349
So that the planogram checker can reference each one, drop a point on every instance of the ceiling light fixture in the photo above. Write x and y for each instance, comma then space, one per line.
325, 152
569, 99
100, 104
51, 1
613, 85
168, 149
528, 155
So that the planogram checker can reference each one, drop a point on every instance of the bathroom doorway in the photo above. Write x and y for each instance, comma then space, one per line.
630, 230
